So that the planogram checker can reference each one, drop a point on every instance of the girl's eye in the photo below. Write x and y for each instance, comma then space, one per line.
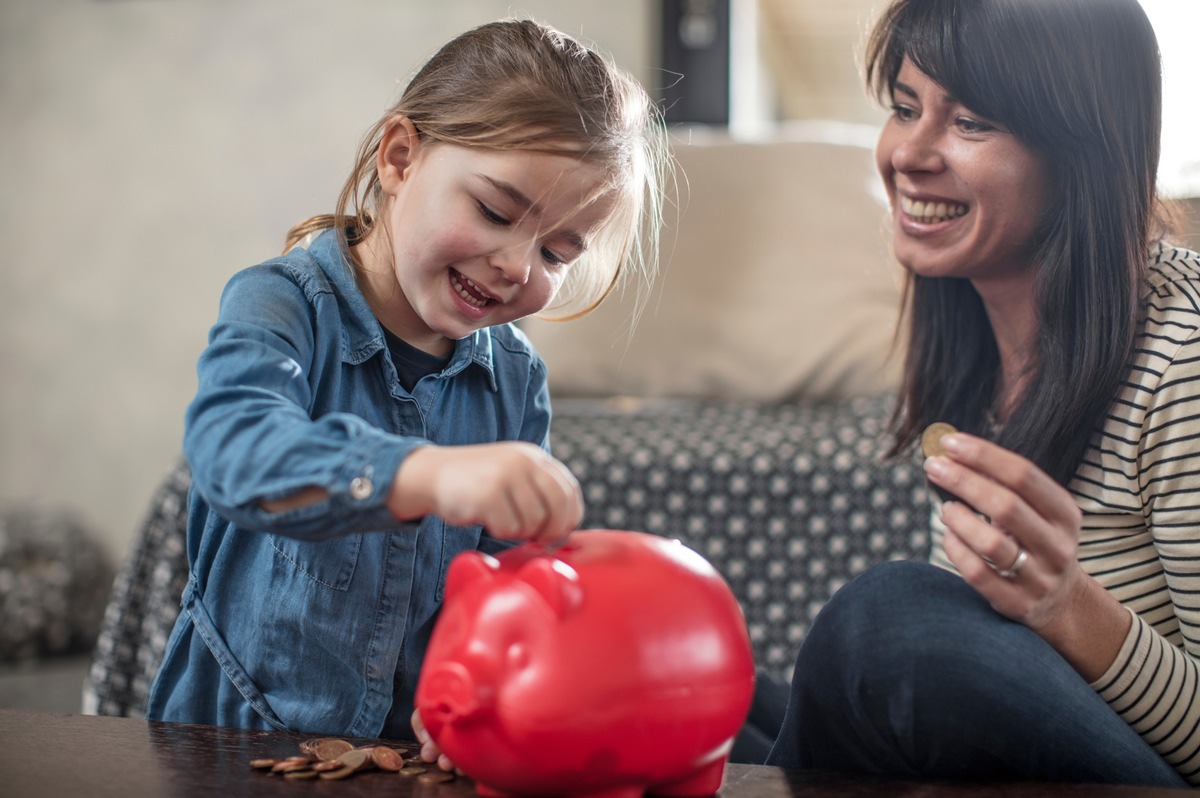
491, 215
551, 258
903, 112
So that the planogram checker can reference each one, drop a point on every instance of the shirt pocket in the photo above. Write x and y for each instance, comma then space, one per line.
327, 562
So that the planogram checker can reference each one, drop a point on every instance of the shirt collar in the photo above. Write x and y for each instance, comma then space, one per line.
362, 335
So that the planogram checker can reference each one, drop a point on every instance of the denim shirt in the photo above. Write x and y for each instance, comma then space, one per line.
311, 619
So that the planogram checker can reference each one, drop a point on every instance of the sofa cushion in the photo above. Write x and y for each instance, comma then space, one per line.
776, 282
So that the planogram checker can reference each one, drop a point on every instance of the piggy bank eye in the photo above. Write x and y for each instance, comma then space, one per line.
518, 656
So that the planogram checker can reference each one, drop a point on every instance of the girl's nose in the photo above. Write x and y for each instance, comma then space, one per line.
515, 262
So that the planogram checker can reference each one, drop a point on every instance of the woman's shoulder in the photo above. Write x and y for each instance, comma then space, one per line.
1172, 265
1173, 281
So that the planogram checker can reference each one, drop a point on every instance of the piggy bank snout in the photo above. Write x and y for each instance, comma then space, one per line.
450, 693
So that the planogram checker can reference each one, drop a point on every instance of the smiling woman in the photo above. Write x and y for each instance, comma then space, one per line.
1052, 636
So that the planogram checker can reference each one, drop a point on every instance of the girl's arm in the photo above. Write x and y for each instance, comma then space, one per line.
257, 436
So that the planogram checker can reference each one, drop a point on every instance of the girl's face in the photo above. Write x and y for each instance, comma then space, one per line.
478, 237
966, 196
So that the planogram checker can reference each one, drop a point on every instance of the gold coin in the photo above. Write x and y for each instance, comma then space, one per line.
302, 775
931, 438
411, 770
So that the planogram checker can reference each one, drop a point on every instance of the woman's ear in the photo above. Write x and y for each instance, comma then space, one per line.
397, 150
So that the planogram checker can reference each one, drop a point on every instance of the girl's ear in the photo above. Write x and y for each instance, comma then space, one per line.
397, 150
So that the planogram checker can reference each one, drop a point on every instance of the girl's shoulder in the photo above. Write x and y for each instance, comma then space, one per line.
315, 268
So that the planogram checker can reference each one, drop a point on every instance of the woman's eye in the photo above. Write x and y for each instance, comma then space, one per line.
969, 125
903, 112
491, 215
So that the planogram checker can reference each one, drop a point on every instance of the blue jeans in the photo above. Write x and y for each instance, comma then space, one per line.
908, 672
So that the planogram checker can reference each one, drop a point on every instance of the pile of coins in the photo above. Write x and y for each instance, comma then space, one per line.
333, 758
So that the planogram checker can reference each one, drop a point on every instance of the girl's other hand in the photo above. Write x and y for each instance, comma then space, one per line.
517, 491
429, 749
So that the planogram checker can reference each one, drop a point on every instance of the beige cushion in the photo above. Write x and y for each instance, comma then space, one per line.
776, 283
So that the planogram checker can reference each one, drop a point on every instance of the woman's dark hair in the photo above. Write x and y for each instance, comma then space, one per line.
1078, 82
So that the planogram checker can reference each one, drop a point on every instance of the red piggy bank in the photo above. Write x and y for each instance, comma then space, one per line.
618, 664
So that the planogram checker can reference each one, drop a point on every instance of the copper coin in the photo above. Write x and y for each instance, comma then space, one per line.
263, 764
435, 777
387, 758
291, 763
327, 764
931, 438
326, 748
340, 773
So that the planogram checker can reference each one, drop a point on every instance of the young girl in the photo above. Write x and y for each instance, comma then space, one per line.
366, 410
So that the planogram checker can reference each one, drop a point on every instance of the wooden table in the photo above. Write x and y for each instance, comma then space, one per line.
79, 756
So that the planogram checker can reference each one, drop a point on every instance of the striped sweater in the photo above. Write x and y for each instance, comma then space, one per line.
1139, 488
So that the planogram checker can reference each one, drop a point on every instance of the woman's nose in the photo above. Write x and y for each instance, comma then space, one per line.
918, 150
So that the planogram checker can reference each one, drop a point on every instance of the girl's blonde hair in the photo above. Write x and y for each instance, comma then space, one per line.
518, 84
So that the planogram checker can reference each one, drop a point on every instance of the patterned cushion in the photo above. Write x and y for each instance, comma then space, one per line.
788, 501
54, 576
143, 605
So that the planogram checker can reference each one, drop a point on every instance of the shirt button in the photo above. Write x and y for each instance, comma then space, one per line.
361, 488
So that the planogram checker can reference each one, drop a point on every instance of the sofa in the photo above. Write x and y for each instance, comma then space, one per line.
744, 413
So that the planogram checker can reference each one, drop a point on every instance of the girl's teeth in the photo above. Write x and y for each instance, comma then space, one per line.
932, 212
470, 298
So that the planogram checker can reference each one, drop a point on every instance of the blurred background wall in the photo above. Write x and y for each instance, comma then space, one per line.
150, 148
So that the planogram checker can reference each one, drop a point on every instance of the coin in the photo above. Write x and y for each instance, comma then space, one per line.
435, 777
931, 438
387, 758
325, 748
301, 775
327, 764
411, 770
291, 763
263, 764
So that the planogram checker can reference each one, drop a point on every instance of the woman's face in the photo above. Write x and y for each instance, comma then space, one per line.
967, 198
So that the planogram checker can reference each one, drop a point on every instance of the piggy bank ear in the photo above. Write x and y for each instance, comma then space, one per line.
468, 567
556, 582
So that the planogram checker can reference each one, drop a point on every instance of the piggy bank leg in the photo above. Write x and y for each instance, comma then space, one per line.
705, 781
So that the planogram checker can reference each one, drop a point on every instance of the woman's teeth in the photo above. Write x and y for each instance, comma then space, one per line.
931, 212
471, 293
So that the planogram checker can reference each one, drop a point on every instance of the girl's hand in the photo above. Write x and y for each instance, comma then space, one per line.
1021, 554
429, 749
517, 491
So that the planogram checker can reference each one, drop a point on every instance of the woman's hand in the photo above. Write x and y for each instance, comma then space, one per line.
517, 491
429, 749
1019, 549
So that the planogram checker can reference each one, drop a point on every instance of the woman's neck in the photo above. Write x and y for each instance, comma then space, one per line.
1012, 313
